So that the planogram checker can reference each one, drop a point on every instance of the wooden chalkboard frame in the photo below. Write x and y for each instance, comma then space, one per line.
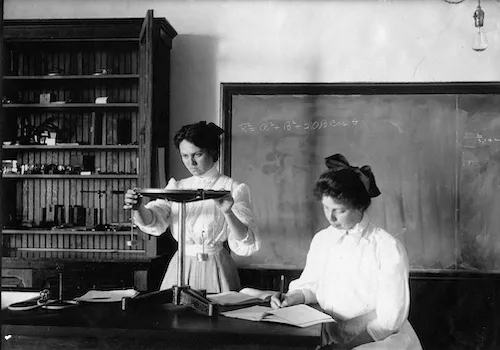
229, 90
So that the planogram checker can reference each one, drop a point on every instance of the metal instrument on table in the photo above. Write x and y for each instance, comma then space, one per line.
45, 301
60, 303
181, 293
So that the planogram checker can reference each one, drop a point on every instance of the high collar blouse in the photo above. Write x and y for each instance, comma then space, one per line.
205, 223
350, 273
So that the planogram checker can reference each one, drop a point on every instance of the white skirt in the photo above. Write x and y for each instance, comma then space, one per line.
215, 275
404, 339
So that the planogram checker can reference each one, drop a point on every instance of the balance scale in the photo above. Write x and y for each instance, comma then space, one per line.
180, 294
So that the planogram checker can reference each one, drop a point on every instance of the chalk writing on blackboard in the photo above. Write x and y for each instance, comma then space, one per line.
472, 140
290, 125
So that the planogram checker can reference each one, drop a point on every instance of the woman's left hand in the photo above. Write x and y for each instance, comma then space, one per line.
348, 332
225, 203
338, 332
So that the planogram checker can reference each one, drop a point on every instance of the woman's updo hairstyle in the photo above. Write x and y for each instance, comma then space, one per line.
347, 184
202, 135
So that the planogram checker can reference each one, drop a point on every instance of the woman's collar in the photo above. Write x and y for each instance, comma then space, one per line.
210, 173
360, 227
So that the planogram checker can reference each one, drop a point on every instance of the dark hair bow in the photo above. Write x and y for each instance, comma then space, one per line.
211, 128
339, 162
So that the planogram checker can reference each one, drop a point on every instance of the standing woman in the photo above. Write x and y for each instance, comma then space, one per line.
356, 272
213, 228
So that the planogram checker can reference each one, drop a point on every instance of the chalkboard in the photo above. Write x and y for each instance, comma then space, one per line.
434, 150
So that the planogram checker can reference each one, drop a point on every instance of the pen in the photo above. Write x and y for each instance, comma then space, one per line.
282, 284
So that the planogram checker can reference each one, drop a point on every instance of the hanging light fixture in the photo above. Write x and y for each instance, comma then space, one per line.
480, 42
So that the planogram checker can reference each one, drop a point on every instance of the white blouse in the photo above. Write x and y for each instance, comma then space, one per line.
349, 273
205, 223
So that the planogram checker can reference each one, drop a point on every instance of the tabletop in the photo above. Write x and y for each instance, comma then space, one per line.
164, 326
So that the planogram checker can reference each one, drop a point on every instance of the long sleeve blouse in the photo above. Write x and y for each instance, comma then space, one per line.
350, 273
205, 223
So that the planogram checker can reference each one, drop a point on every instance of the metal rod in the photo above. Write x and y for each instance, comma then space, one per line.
182, 238
131, 242
60, 286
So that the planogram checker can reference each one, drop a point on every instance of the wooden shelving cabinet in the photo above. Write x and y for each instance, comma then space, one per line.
85, 114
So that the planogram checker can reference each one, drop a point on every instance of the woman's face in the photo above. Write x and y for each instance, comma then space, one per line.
197, 160
339, 215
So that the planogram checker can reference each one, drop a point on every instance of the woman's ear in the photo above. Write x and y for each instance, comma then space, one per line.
214, 154
361, 213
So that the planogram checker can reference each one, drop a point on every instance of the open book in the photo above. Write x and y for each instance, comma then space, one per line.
107, 296
300, 315
245, 296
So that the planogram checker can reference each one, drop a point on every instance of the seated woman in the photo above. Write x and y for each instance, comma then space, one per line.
356, 272
213, 227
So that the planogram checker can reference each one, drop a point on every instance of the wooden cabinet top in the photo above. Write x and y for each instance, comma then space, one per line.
93, 29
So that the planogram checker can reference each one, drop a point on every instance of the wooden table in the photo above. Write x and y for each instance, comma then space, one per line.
106, 326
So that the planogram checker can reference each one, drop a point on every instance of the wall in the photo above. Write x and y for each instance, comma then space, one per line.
299, 41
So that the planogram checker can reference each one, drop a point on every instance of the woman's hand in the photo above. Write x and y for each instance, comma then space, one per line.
279, 300
350, 333
348, 330
132, 199
225, 203
237, 229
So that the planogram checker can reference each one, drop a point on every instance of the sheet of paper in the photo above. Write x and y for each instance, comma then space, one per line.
107, 296
252, 313
300, 315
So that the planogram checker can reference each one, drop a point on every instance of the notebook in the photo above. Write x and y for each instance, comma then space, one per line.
300, 315
245, 296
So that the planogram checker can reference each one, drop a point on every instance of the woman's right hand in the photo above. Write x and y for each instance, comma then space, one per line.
132, 199
279, 300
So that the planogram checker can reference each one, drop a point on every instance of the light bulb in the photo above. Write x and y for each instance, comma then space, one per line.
480, 42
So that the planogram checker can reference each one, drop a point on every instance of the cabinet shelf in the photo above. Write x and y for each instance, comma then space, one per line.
57, 106
64, 176
27, 78
34, 41
95, 148
65, 232
83, 250
58, 262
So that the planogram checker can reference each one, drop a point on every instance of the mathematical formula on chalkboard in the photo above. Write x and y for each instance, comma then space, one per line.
291, 125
